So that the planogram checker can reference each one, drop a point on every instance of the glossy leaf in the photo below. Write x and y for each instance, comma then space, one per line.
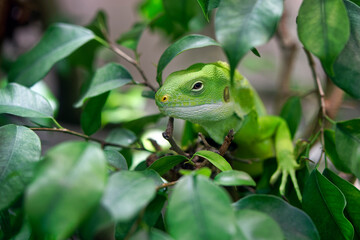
330, 149
116, 159
58, 42
207, 6
325, 204
189, 216
347, 74
300, 226
217, 160
243, 24
234, 178
291, 112
352, 196
106, 78
347, 143
130, 39
21, 101
20, 150
323, 28
183, 44
164, 164
121, 136
68, 186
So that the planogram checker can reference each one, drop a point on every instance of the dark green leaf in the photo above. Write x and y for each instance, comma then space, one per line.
234, 178
217, 160
300, 226
143, 122
153, 210
347, 74
106, 78
20, 149
241, 25
207, 6
99, 24
148, 94
352, 196
330, 149
58, 42
121, 136
156, 234
255, 52
199, 209
323, 28
69, 184
189, 134
357, 2
347, 143
291, 112
116, 159
130, 39
183, 44
164, 164
325, 204
91, 115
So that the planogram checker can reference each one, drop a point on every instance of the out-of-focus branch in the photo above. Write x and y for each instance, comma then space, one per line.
227, 141
168, 135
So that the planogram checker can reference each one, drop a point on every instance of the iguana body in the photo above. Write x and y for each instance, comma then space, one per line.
204, 95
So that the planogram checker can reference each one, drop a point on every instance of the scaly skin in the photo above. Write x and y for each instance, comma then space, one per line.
202, 94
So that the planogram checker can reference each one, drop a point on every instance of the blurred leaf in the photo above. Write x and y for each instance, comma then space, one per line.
347, 74
139, 124
189, 134
130, 39
217, 160
330, 149
121, 136
325, 204
68, 186
352, 196
255, 225
255, 52
106, 78
194, 209
234, 178
153, 210
347, 143
91, 115
300, 226
20, 150
207, 6
148, 94
156, 234
241, 25
323, 28
204, 171
164, 164
357, 2
149, 9
116, 159
99, 25
58, 42
291, 112
183, 44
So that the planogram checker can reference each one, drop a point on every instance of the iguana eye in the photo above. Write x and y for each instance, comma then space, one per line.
197, 86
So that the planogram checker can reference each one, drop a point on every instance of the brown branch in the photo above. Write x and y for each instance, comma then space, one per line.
155, 144
168, 135
206, 144
168, 184
228, 139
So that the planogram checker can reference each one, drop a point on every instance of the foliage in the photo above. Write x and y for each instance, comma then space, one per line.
95, 189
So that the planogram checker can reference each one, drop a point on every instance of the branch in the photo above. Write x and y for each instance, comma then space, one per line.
168, 184
228, 139
168, 135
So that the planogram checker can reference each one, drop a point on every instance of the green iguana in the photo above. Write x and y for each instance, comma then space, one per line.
204, 95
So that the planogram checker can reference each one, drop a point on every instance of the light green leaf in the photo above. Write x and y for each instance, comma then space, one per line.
330, 149
164, 164
20, 150
130, 39
68, 186
58, 42
207, 6
217, 160
234, 178
291, 112
121, 136
204, 171
323, 28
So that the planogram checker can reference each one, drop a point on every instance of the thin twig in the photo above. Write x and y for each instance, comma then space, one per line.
168, 184
168, 135
155, 144
228, 139
206, 144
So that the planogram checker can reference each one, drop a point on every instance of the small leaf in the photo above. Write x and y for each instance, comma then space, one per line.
58, 42
188, 215
291, 112
121, 136
217, 160
130, 39
234, 178
20, 150
164, 164
330, 149
207, 6
255, 52
183, 44
204, 171
116, 159
323, 28
325, 204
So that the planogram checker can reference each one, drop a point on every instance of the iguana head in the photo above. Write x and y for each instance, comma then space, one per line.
199, 93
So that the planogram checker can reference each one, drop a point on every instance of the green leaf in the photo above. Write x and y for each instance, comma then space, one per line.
130, 39
127, 193
194, 210
244, 24
156, 234
121, 136
300, 226
68, 186
164, 164
204, 171
116, 159
183, 44
291, 112
106, 78
234, 178
325, 204
347, 74
189, 134
20, 150
330, 149
217, 160
207, 6
255, 52
143, 122
323, 28
352, 196
347, 143
153, 210
58, 42
21, 101
255, 225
